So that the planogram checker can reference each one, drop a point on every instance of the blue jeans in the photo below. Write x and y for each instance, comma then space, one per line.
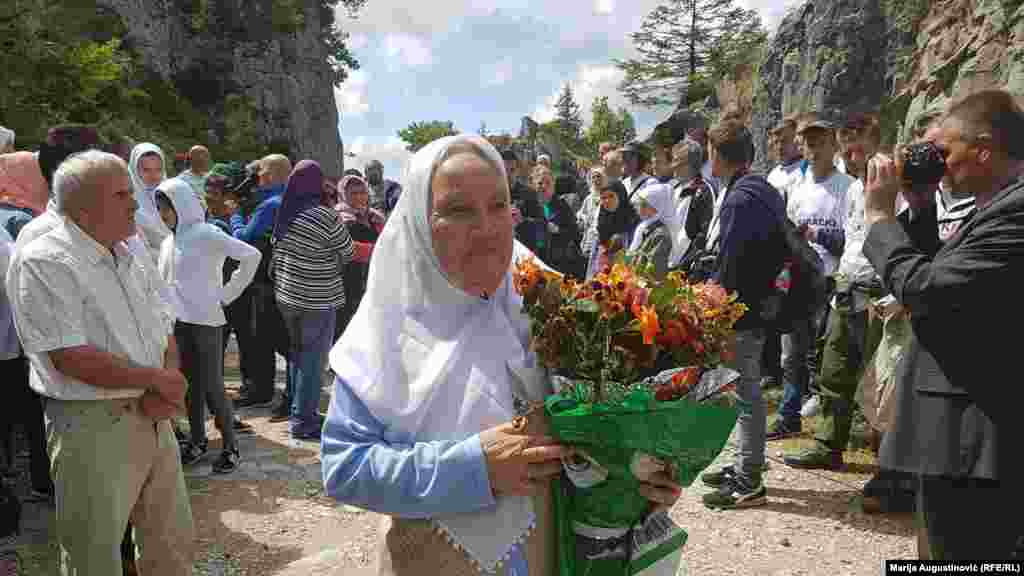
751, 442
799, 365
311, 333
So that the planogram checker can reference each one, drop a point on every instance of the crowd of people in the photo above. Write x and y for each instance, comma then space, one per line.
123, 286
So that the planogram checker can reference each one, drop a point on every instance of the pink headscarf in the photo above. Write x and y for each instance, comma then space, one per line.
367, 216
22, 183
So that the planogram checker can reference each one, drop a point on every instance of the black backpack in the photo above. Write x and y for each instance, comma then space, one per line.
808, 284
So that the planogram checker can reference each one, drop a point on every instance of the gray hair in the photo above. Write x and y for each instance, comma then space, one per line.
73, 181
6, 138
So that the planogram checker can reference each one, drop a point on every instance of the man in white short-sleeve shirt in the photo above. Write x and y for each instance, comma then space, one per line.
91, 320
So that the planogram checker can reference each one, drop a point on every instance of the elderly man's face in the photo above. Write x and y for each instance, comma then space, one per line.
151, 170
471, 224
110, 216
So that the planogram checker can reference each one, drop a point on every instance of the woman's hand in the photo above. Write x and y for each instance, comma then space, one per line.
520, 464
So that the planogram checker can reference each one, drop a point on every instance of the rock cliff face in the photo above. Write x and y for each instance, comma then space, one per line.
897, 57
228, 54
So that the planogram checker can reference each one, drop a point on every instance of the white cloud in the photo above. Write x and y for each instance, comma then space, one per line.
604, 7
591, 81
391, 153
772, 11
352, 97
412, 51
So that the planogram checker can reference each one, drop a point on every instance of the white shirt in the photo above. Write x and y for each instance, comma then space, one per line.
67, 291
192, 261
10, 348
784, 176
821, 206
853, 264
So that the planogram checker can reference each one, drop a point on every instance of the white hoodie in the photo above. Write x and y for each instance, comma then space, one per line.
192, 260
148, 219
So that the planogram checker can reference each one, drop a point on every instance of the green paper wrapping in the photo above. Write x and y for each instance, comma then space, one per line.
603, 524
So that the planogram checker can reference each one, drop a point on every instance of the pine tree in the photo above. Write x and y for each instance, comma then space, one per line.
567, 114
688, 43
628, 125
605, 125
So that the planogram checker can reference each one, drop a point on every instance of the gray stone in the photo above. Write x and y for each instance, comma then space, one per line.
239, 52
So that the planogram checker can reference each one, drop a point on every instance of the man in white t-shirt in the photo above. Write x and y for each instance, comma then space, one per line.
784, 149
818, 205
848, 344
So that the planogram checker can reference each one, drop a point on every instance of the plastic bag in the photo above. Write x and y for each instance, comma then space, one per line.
875, 394
603, 525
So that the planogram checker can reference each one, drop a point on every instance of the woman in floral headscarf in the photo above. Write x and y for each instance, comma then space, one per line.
23, 191
364, 226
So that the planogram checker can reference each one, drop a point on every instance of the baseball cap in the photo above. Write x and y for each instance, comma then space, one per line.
819, 121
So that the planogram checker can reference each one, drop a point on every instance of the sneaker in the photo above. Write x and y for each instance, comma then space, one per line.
817, 458
780, 430
769, 382
310, 436
716, 479
227, 462
736, 493
250, 402
811, 407
192, 453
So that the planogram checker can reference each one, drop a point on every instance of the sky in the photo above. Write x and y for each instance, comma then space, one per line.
485, 61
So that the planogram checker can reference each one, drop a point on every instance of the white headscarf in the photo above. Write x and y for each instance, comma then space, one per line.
148, 217
432, 362
659, 197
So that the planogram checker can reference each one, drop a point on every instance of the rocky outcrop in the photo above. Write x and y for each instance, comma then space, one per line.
963, 46
250, 55
827, 55
899, 58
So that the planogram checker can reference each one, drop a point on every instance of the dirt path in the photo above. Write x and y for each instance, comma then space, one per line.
271, 517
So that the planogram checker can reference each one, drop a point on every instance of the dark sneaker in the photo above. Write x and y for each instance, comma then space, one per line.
736, 493
716, 479
227, 462
307, 436
780, 430
817, 458
250, 402
192, 453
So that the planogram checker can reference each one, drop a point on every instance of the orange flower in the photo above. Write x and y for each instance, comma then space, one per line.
649, 327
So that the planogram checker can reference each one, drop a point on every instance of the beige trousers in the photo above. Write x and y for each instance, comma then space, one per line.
110, 463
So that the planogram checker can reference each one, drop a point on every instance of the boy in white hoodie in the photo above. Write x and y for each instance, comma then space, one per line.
192, 263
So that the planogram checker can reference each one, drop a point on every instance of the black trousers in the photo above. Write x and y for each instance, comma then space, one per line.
269, 335
239, 316
771, 355
24, 406
968, 518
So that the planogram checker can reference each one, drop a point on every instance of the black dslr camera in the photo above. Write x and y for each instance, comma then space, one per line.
922, 164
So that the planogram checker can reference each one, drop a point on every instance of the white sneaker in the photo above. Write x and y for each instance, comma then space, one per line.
811, 407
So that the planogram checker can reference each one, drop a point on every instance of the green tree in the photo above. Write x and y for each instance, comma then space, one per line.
628, 125
684, 43
419, 134
570, 122
605, 125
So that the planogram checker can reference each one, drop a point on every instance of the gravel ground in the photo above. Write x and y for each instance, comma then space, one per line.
271, 514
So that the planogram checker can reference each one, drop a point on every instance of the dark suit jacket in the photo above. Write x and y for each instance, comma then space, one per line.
958, 401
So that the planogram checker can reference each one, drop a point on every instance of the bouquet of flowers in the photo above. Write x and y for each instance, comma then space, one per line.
638, 389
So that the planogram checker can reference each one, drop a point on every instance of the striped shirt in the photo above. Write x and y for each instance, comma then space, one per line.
309, 261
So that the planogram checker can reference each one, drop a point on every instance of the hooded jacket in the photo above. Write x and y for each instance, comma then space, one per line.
153, 229
192, 260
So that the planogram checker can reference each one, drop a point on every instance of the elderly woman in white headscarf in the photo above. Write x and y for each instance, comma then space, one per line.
430, 374
147, 168
652, 240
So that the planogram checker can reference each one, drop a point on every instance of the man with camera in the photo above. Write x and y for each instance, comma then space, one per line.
269, 335
957, 418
